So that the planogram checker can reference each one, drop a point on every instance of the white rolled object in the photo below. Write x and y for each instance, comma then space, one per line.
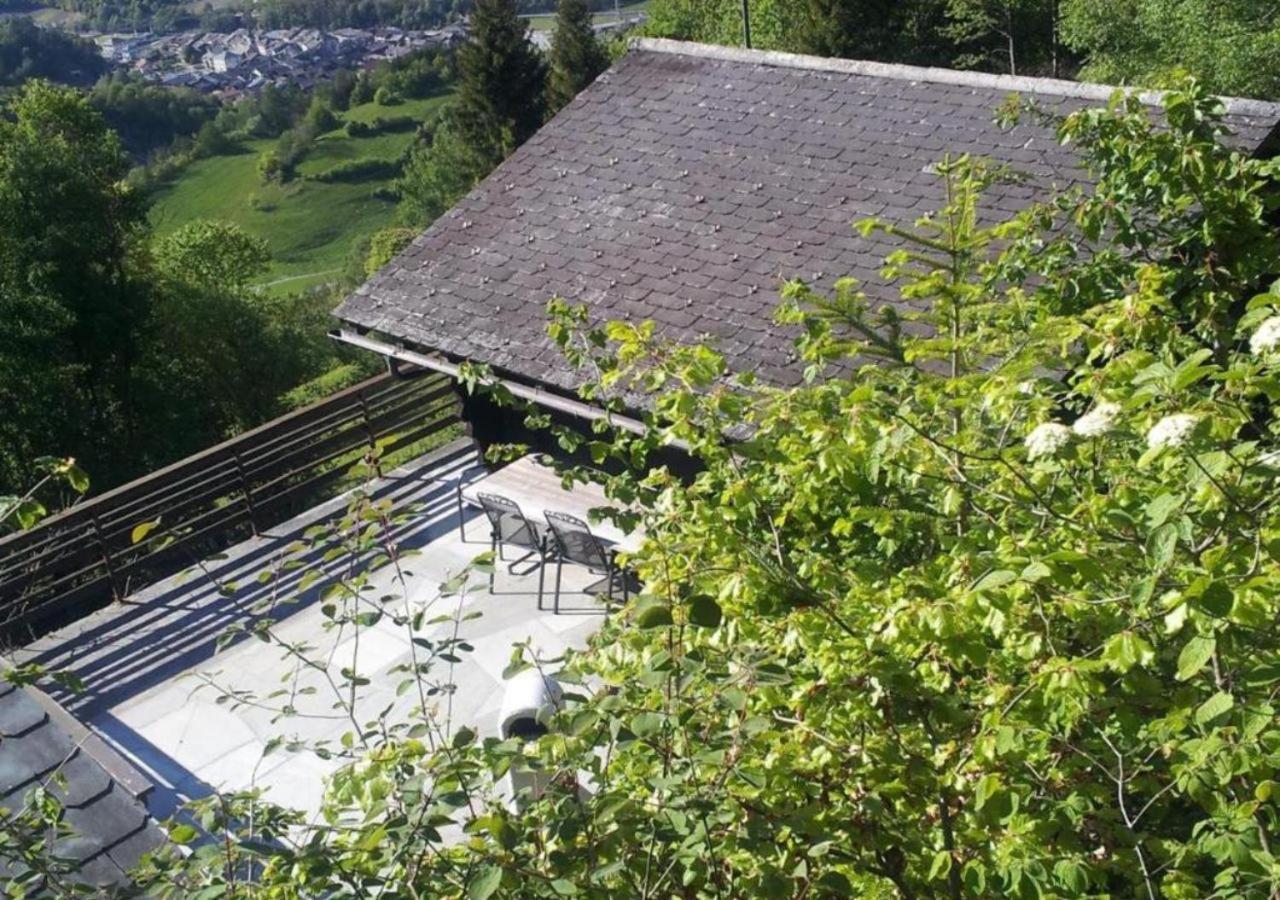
528, 703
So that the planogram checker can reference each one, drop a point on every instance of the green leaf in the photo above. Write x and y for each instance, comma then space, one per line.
183, 834
1194, 655
140, 532
646, 724
652, 613
485, 883
1072, 876
993, 579
1215, 706
1161, 544
28, 513
941, 865
988, 786
835, 884
705, 611
1217, 599
462, 737
77, 478
1126, 650
1161, 507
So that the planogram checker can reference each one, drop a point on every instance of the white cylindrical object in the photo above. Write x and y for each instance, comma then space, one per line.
530, 700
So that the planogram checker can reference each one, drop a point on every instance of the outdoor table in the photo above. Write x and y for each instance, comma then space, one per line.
537, 488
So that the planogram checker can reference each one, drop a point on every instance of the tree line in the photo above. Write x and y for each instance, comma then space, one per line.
1231, 47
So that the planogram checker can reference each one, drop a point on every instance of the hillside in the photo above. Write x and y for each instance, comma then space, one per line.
310, 226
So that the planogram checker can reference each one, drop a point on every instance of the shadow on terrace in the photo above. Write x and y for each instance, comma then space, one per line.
196, 717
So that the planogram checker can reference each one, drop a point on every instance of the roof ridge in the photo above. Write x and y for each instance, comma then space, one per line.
1013, 83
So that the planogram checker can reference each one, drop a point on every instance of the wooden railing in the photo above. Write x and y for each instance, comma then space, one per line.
81, 558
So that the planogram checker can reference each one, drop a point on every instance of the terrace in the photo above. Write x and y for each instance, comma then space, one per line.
175, 681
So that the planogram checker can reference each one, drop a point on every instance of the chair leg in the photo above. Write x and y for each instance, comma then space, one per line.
493, 567
542, 571
559, 570
462, 520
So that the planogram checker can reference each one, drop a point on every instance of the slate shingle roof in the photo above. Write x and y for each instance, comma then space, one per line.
688, 182
110, 827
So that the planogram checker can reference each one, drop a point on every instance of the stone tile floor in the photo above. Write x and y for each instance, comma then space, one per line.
153, 673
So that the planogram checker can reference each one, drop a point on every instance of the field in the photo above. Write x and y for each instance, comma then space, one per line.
309, 226
545, 21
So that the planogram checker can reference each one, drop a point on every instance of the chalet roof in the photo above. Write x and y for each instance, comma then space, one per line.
101, 794
689, 181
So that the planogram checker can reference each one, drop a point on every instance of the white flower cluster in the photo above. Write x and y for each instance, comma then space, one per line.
1267, 337
1171, 431
1047, 439
1097, 421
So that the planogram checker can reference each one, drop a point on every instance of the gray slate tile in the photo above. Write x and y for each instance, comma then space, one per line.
742, 169
109, 827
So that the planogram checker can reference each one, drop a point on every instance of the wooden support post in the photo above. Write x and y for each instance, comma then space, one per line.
373, 437
246, 493
106, 559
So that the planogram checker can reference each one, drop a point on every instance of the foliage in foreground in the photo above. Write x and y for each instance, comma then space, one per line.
992, 616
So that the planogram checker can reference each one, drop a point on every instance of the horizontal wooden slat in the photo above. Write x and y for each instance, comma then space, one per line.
205, 502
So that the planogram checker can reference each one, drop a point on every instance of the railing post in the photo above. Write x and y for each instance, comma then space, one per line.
245, 493
106, 558
368, 428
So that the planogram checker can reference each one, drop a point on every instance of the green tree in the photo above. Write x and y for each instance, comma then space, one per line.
221, 354
1233, 47
439, 173
908, 31
885, 30
384, 245
1015, 36
74, 313
29, 51
501, 99
577, 57
774, 23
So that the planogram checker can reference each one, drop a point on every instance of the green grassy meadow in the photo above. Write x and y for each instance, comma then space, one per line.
309, 226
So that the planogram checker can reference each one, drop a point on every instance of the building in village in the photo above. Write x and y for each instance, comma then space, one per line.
246, 60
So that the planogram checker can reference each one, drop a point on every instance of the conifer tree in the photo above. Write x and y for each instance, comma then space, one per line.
576, 55
501, 101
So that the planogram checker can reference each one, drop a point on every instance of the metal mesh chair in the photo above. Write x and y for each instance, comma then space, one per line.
508, 526
573, 542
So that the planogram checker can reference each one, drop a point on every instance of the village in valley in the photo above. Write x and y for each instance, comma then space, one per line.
248, 60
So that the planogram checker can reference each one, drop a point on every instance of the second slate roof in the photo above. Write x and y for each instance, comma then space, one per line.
689, 182
108, 827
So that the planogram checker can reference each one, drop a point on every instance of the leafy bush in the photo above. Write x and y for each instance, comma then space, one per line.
384, 124
385, 96
360, 170
270, 166
384, 245
380, 125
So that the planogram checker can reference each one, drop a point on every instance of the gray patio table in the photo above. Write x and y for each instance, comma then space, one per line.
537, 488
